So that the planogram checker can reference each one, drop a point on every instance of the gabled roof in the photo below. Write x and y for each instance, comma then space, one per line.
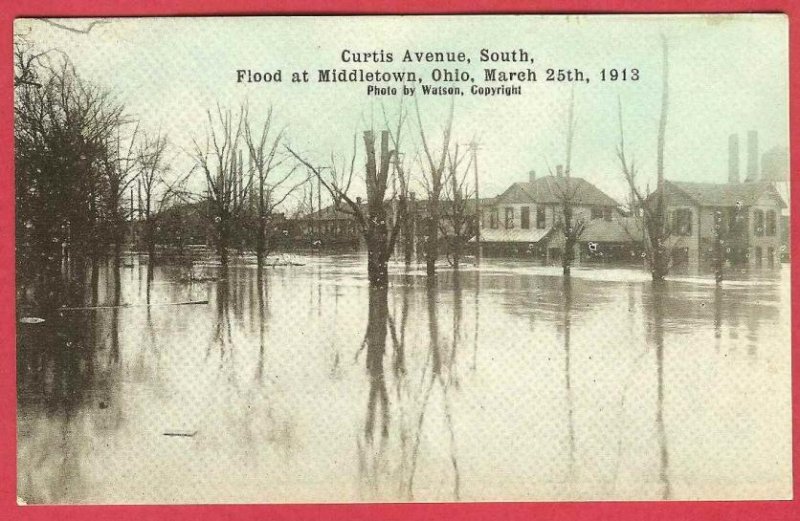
552, 190
723, 194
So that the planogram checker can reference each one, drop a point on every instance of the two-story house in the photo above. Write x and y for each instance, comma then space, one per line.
525, 218
746, 216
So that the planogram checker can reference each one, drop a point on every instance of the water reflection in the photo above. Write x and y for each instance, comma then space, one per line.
580, 392
567, 323
375, 339
658, 296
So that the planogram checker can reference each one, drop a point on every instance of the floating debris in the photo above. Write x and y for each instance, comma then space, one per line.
181, 433
194, 279
187, 303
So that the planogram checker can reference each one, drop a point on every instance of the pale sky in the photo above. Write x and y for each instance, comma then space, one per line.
727, 74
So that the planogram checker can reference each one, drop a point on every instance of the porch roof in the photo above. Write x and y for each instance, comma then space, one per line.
518, 235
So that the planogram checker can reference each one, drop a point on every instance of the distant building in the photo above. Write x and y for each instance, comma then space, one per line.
775, 170
332, 226
526, 219
747, 215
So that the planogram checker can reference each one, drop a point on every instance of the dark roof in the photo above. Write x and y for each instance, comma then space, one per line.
551, 190
723, 194
621, 229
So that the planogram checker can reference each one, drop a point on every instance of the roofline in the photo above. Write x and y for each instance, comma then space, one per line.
766, 186
547, 178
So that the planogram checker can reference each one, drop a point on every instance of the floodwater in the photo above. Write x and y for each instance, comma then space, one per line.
499, 383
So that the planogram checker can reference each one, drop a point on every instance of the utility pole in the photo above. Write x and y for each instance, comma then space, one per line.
133, 226
311, 210
474, 146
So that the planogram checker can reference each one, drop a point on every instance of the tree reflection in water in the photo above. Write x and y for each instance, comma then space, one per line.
413, 402
63, 370
567, 326
659, 295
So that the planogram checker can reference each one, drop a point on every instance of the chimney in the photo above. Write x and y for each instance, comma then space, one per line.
358, 201
532, 176
733, 159
559, 170
752, 155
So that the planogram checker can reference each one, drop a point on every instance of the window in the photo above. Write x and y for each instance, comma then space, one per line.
509, 217
525, 218
597, 213
494, 218
771, 224
607, 214
758, 222
540, 218
682, 222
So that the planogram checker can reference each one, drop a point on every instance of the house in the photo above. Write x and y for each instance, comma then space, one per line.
332, 226
745, 215
526, 217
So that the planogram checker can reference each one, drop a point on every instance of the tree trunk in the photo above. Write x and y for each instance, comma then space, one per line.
223, 237
377, 267
377, 328
661, 260
432, 250
261, 241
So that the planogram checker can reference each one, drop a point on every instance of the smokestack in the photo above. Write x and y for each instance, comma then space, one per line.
733, 159
752, 155
532, 176
559, 170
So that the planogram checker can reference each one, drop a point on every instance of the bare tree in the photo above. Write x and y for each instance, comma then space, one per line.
372, 219
226, 190
151, 187
455, 225
434, 172
62, 128
568, 194
652, 206
266, 193
120, 167
402, 175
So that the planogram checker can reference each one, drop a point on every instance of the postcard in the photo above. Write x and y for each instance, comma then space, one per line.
429, 258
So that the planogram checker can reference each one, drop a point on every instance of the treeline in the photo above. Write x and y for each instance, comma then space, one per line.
89, 178
86, 170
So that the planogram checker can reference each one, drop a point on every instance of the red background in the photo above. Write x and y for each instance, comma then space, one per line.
644, 511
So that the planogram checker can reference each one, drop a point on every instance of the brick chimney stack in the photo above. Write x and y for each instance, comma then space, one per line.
752, 155
559, 170
733, 159
532, 176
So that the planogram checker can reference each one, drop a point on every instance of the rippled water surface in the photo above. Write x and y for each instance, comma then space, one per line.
504, 382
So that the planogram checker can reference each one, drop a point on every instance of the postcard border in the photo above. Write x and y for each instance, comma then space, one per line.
622, 511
